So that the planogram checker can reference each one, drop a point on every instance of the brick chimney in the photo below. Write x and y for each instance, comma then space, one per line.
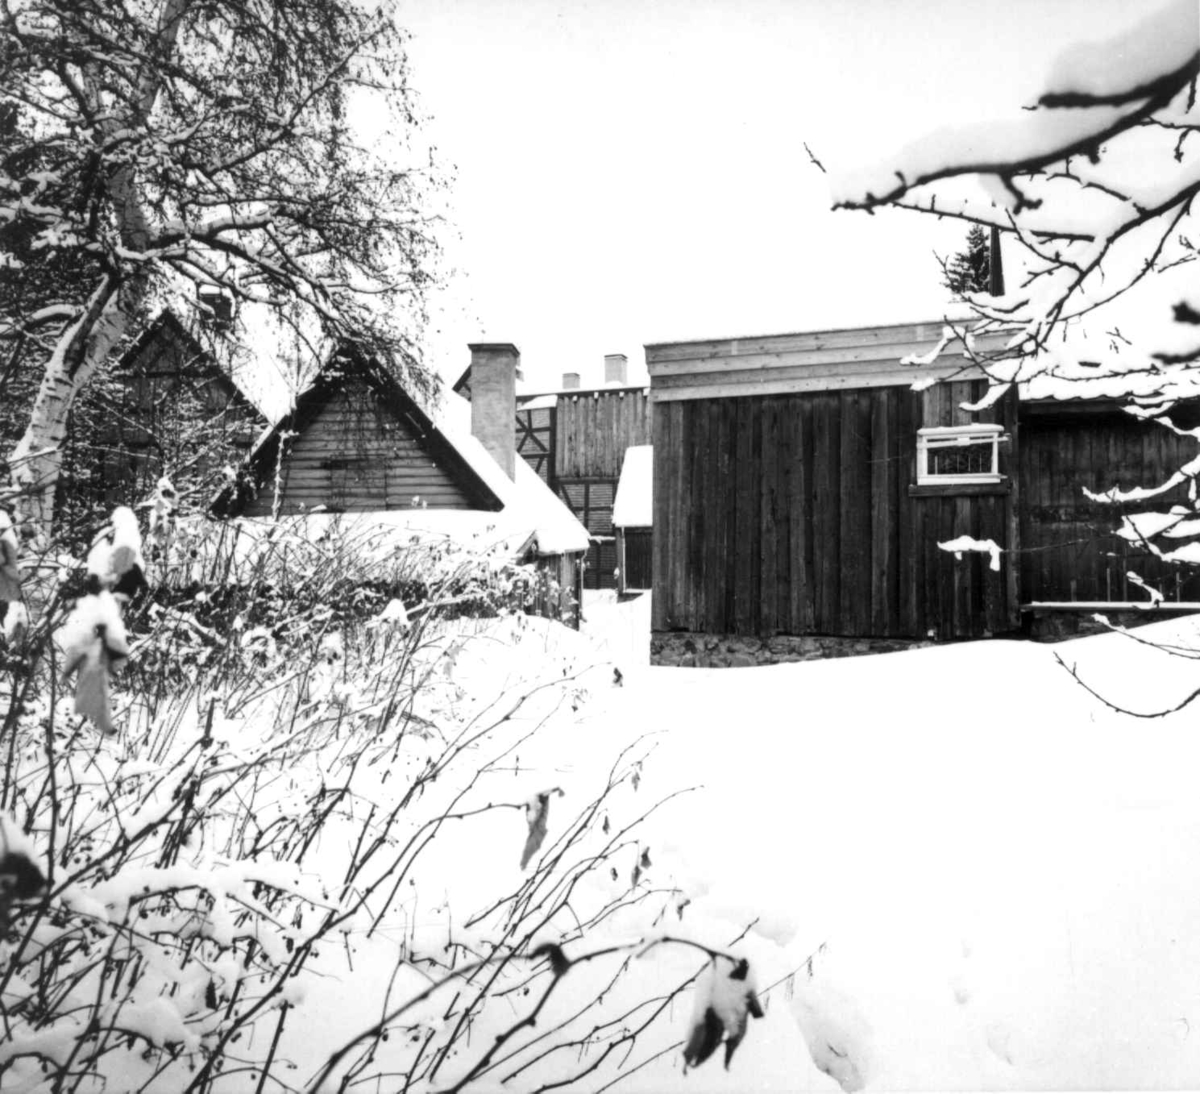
570, 381
616, 368
494, 367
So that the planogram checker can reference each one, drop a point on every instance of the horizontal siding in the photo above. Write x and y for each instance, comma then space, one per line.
809, 362
356, 456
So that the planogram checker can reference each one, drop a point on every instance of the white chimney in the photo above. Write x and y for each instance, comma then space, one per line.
616, 368
570, 381
494, 367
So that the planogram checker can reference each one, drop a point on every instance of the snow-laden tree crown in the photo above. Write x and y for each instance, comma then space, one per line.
157, 148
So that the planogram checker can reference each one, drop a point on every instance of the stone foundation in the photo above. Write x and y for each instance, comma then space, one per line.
1047, 625
690, 650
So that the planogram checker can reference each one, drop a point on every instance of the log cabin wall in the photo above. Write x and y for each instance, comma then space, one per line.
1069, 549
357, 455
785, 500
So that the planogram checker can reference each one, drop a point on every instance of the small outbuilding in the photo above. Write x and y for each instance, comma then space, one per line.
633, 520
358, 443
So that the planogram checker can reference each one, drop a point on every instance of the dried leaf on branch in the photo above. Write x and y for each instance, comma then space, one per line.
537, 811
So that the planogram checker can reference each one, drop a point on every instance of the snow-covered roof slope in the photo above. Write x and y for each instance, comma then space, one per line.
517, 514
634, 504
529, 503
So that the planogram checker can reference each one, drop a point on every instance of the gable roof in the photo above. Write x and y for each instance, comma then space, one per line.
522, 512
340, 369
168, 325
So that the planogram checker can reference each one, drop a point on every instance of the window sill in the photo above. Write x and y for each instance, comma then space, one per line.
960, 489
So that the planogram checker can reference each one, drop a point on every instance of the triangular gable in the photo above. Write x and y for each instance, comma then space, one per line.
362, 468
169, 329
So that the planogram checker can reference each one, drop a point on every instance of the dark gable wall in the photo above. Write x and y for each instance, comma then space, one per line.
793, 514
355, 455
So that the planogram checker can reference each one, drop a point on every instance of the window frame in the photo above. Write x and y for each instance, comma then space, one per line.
954, 436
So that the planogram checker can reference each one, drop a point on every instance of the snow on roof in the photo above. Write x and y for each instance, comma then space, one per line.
530, 506
634, 504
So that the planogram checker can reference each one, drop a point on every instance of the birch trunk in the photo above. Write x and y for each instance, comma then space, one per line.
86, 343
37, 458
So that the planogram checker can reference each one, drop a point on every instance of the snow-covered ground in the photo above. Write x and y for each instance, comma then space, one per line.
996, 873
949, 868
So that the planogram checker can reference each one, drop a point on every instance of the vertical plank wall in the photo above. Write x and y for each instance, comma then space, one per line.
792, 514
1069, 549
594, 428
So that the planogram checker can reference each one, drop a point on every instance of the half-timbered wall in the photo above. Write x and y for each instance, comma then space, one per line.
356, 455
798, 514
1069, 551
535, 440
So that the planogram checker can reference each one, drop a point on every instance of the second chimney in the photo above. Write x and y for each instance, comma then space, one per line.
494, 368
616, 368
570, 381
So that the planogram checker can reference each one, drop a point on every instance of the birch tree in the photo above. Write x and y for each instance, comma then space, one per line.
1094, 190
261, 148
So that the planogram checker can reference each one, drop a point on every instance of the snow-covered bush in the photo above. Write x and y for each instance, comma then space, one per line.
305, 795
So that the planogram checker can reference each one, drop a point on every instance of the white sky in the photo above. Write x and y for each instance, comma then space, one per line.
629, 171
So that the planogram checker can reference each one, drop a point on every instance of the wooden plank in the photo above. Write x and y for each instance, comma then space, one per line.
665, 489
783, 461
882, 498
879, 357
854, 512
746, 518
784, 381
826, 525
800, 491
699, 503
967, 572
716, 477
911, 334
768, 463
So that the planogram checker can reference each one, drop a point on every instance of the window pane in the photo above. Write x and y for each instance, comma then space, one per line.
966, 459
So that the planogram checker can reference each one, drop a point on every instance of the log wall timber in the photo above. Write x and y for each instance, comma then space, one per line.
356, 455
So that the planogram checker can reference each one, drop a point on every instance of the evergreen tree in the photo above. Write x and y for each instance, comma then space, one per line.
968, 270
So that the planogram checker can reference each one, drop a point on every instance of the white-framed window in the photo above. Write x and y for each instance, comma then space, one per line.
959, 454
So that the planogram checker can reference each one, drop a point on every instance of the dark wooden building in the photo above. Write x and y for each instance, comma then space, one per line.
788, 498
802, 488
165, 408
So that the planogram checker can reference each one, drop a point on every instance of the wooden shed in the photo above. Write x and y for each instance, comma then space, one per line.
356, 442
166, 408
801, 487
